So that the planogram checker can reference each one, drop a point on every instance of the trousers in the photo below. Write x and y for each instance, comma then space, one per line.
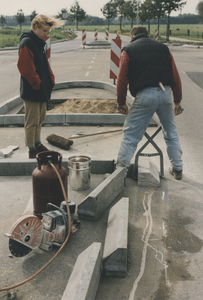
35, 114
146, 103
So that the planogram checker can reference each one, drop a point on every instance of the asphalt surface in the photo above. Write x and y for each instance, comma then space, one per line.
165, 257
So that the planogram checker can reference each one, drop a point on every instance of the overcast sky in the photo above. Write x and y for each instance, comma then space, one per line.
50, 7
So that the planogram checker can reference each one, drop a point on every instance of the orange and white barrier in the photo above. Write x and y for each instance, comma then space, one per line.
115, 57
96, 35
70, 33
107, 34
47, 47
118, 34
156, 34
83, 37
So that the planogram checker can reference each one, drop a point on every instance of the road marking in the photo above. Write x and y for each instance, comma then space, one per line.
87, 74
147, 200
90, 67
149, 225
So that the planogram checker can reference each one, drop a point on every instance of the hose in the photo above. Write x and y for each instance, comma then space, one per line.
61, 248
49, 205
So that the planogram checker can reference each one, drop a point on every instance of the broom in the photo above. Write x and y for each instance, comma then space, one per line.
65, 143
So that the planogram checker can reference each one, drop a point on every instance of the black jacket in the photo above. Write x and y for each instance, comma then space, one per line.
149, 63
37, 79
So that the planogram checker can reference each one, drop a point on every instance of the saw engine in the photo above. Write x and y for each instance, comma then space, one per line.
29, 232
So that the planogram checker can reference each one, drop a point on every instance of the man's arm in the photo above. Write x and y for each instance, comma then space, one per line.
122, 83
27, 68
177, 91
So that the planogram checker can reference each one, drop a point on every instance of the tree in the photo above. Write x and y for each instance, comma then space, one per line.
158, 10
109, 11
169, 6
147, 12
130, 10
199, 10
33, 15
119, 6
20, 17
2, 20
63, 14
77, 13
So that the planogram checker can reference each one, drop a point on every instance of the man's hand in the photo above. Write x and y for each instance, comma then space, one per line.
176, 108
122, 109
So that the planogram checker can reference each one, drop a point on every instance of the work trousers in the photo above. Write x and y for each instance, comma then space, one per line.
146, 103
35, 114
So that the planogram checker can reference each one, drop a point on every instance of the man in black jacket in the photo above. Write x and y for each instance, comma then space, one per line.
37, 79
149, 69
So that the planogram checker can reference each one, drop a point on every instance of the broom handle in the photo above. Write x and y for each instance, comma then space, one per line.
90, 134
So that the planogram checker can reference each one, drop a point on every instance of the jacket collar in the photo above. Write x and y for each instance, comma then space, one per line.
138, 36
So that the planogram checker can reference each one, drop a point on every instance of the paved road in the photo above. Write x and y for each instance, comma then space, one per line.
172, 267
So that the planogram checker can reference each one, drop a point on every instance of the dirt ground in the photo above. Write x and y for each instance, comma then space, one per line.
86, 106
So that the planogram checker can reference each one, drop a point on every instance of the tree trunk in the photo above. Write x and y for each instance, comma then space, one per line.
120, 23
148, 26
168, 28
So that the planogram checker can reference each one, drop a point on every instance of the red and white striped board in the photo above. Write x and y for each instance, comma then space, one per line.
156, 34
96, 34
107, 34
83, 37
47, 47
115, 57
70, 33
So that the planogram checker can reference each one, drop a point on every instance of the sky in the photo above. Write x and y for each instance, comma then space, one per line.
53, 7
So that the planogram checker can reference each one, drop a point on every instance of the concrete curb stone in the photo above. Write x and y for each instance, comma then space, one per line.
116, 241
85, 277
100, 198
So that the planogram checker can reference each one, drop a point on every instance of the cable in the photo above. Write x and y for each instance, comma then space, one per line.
61, 248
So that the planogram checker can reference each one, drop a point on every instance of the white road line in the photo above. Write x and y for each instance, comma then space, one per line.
87, 74
145, 238
149, 226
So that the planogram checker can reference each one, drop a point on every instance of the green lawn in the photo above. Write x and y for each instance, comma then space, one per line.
11, 36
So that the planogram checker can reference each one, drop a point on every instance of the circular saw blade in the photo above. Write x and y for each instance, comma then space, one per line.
25, 235
17, 249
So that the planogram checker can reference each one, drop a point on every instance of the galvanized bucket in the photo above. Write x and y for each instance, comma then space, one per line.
79, 172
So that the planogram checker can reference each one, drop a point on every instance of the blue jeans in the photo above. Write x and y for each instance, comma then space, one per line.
146, 103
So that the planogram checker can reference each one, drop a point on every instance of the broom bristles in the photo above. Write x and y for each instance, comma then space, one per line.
59, 141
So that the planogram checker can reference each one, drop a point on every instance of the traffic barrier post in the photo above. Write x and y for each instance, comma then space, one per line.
115, 58
96, 35
107, 34
156, 35
83, 37
47, 47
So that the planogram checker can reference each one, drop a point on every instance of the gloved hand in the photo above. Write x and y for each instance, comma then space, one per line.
122, 109
178, 109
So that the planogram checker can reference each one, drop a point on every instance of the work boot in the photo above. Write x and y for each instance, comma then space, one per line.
32, 153
177, 174
41, 148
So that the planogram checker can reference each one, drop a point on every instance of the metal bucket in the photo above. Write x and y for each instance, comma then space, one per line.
79, 172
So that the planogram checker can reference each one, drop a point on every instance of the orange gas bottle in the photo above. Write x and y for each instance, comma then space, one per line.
46, 184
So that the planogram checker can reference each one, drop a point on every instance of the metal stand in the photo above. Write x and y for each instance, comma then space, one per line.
159, 152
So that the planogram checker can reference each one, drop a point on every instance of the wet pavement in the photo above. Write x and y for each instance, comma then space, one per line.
165, 240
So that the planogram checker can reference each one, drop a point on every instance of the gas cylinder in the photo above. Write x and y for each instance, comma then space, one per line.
46, 184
